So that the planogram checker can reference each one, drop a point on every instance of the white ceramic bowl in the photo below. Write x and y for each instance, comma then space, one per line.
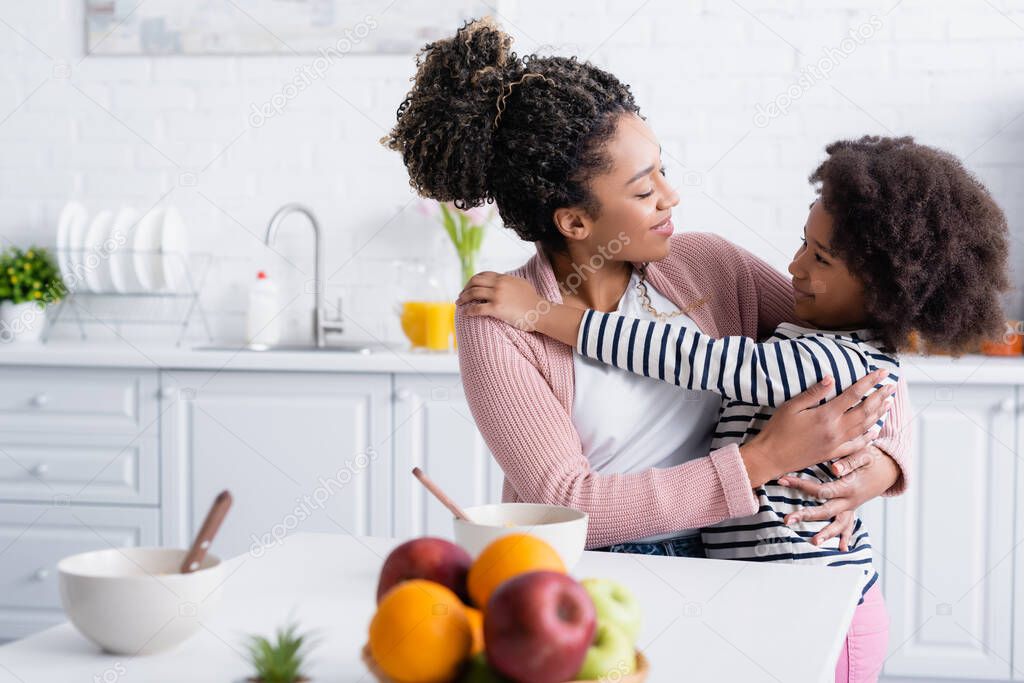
133, 600
564, 528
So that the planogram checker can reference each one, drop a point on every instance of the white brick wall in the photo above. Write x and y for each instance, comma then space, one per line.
124, 130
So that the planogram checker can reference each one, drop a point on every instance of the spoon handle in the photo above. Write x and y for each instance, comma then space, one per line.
439, 494
206, 533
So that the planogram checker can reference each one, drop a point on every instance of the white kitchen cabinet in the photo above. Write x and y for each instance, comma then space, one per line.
76, 400
81, 468
435, 431
79, 471
34, 537
1015, 557
949, 540
75, 435
298, 451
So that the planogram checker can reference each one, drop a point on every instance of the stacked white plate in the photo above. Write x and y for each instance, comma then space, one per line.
71, 231
122, 251
122, 265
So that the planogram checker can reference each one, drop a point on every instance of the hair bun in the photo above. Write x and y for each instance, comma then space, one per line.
445, 127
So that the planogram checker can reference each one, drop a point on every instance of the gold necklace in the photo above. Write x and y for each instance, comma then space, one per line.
645, 299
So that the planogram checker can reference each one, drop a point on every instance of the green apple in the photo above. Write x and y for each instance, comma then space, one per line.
611, 653
615, 604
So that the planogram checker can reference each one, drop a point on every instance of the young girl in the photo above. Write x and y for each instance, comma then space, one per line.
902, 239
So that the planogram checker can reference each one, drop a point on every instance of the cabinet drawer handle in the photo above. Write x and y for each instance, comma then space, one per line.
1008, 406
41, 574
404, 394
167, 392
41, 469
40, 400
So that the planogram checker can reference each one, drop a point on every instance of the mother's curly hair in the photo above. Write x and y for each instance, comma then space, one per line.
538, 155
923, 235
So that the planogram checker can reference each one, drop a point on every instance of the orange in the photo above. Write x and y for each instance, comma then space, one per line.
420, 633
505, 558
476, 622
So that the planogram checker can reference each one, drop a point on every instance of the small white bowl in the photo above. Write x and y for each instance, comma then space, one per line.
564, 528
133, 600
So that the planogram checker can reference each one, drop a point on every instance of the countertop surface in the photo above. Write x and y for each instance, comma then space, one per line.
698, 621
165, 356
973, 369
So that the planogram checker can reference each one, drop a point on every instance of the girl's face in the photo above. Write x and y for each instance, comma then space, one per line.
828, 295
635, 200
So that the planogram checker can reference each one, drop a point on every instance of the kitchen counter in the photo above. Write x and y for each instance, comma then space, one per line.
972, 369
698, 625
165, 357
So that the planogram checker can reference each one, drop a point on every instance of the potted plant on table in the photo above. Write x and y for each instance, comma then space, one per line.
29, 282
280, 661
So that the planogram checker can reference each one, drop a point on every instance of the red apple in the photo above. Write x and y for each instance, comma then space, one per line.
433, 559
538, 626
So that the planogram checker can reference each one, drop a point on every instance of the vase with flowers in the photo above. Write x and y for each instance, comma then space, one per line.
466, 230
427, 317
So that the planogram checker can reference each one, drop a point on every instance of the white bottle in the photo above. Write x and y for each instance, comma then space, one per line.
263, 323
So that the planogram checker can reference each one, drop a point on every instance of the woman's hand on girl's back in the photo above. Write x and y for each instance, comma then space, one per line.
802, 433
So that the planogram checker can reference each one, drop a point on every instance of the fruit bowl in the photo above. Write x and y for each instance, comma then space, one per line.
564, 528
638, 676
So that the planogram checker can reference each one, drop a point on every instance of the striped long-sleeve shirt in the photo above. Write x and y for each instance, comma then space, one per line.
753, 379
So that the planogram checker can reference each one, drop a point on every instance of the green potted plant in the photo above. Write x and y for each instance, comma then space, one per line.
29, 282
280, 660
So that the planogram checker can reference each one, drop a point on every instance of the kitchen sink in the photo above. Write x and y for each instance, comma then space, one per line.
342, 347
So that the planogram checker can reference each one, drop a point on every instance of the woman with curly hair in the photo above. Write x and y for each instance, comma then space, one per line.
902, 239
559, 146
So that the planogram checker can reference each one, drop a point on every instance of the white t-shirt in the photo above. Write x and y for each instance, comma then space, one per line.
629, 423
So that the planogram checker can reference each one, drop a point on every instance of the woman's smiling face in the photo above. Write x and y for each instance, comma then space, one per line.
827, 294
634, 199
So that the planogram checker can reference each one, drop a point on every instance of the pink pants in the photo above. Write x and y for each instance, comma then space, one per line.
864, 650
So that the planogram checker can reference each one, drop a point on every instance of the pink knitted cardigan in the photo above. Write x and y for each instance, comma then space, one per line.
520, 390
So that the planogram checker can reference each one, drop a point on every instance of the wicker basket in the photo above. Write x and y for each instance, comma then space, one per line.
638, 676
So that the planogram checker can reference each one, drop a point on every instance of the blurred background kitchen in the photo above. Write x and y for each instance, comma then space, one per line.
227, 110
175, 130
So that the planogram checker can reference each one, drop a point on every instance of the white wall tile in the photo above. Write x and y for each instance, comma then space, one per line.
111, 130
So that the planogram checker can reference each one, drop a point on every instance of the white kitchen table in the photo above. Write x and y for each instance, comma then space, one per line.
704, 620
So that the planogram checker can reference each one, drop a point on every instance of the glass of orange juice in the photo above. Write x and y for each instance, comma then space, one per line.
426, 314
429, 324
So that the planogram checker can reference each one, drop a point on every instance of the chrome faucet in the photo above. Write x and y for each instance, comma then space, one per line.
321, 326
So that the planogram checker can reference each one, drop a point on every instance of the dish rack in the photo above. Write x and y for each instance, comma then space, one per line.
84, 305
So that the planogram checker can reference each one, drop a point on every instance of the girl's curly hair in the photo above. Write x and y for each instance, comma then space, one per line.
483, 125
923, 235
